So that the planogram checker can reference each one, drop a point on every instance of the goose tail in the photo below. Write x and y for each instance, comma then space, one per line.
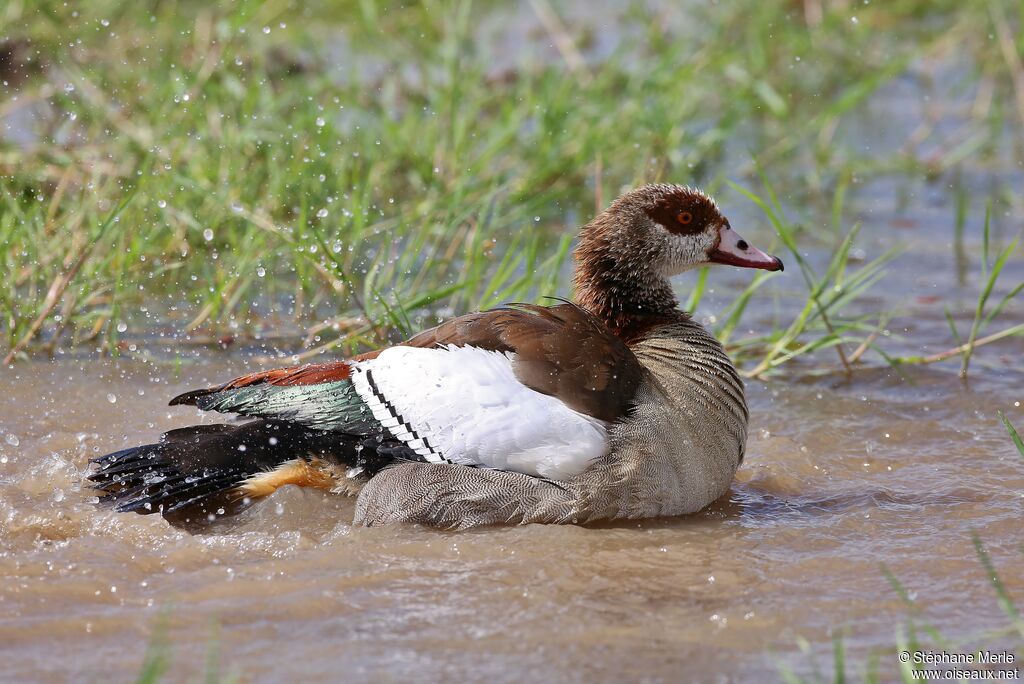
212, 466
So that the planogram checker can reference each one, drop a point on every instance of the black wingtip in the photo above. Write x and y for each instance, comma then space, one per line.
150, 478
190, 398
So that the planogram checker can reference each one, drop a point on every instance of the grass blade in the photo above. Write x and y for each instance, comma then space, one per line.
1012, 432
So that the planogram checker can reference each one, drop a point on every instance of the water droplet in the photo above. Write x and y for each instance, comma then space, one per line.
12, 439
161, 203
322, 213
112, 398
122, 326
266, 29
208, 234
260, 271
320, 121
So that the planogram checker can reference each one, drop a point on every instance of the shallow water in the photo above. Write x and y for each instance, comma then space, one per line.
841, 476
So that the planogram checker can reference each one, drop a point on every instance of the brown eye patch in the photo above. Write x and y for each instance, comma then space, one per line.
684, 213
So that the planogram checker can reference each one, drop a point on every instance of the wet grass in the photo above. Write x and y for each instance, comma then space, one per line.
159, 657
1012, 431
990, 272
324, 176
820, 324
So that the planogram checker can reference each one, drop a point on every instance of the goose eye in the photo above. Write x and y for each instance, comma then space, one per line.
684, 217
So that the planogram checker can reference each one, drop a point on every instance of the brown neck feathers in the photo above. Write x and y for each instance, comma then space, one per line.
616, 281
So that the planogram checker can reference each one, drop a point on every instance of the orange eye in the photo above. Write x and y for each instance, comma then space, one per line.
684, 217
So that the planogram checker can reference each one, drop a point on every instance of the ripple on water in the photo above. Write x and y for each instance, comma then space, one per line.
832, 487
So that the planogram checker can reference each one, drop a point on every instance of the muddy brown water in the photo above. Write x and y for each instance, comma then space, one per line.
841, 477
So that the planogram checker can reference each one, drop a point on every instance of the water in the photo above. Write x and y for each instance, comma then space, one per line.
841, 477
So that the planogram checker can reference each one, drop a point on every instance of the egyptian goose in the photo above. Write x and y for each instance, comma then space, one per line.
618, 406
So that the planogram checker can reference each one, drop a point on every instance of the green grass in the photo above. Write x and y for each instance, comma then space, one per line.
335, 175
1012, 431
159, 656
818, 325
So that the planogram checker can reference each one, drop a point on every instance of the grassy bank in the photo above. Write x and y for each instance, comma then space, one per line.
336, 174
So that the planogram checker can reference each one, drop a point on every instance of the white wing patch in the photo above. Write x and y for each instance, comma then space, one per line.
465, 405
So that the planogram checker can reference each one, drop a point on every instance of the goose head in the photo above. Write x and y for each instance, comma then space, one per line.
626, 255
680, 228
